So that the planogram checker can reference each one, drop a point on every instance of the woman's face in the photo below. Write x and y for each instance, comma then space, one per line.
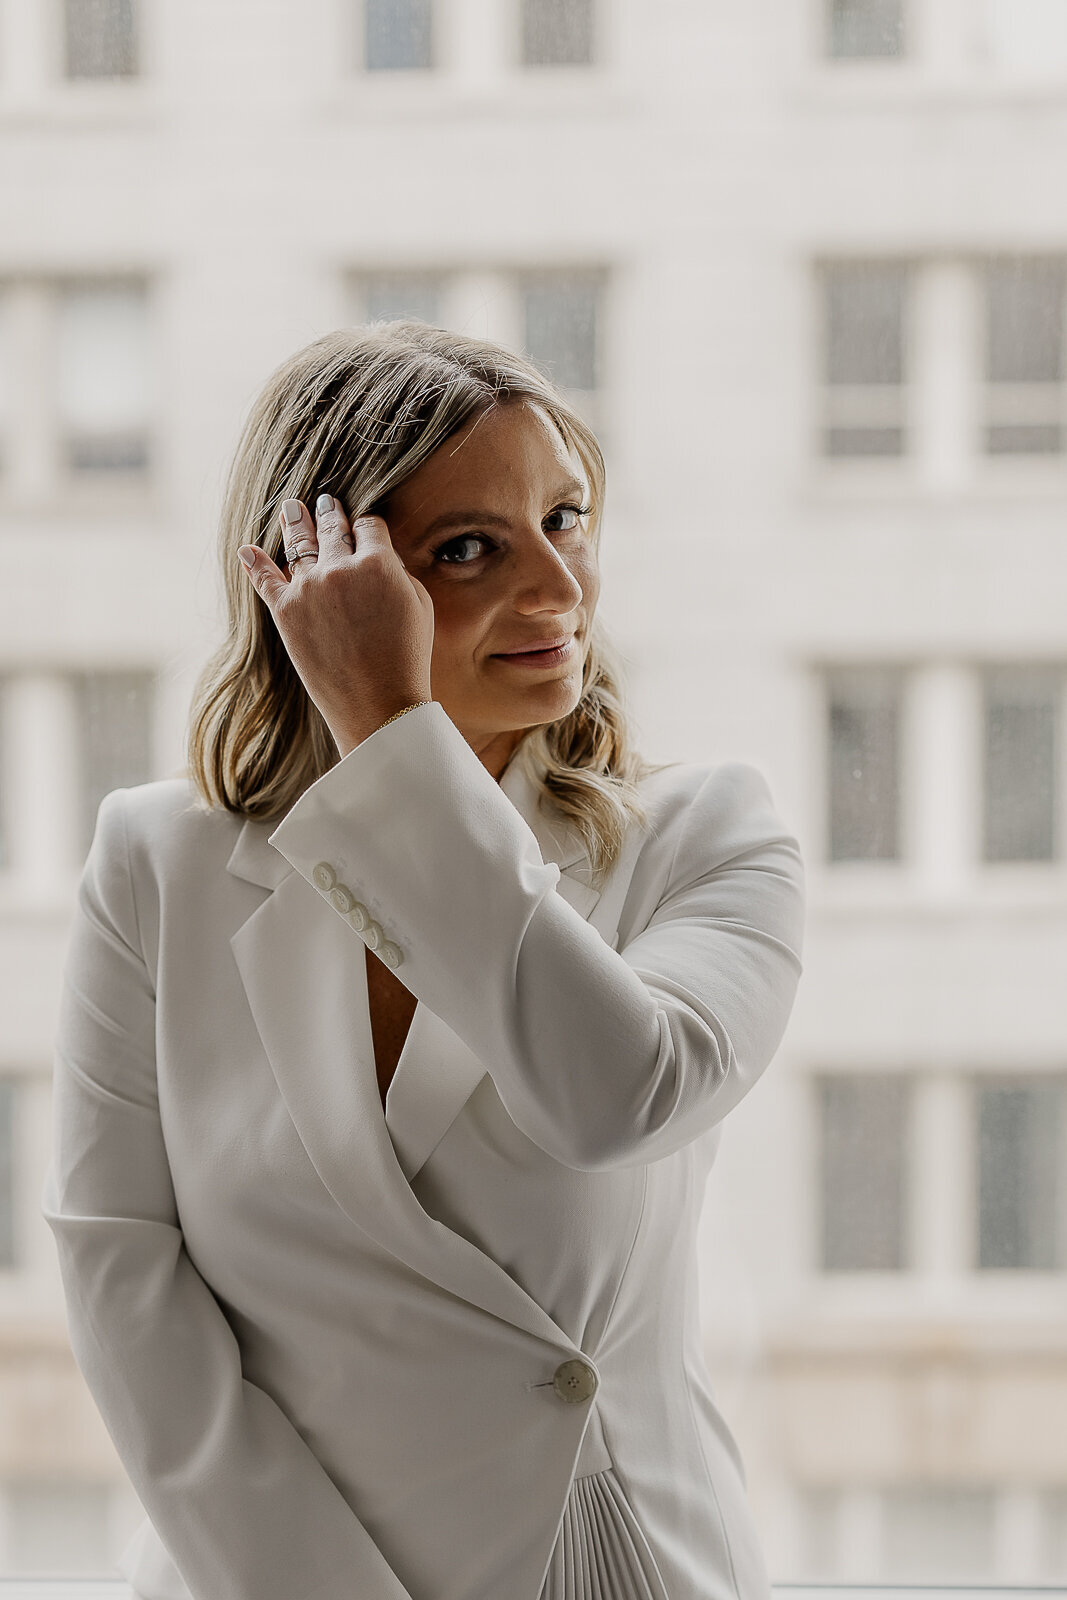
491, 525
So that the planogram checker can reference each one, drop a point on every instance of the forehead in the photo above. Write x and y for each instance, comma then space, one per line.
508, 450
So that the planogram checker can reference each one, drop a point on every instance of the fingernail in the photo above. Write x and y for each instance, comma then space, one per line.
291, 511
323, 504
247, 557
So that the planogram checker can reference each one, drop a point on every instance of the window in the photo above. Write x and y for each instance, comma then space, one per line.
1021, 793
864, 707
114, 714
1022, 1195
865, 28
1025, 303
557, 33
102, 378
7, 1172
385, 296
398, 35
863, 1172
561, 315
100, 39
864, 358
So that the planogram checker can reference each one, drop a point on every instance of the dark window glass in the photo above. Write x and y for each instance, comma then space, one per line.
863, 1173
866, 28
864, 775
1025, 302
115, 712
389, 295
561, 313
864, 355
7, 1172
557, 33
100, 39
399, 35
1021, 798
1021, 1193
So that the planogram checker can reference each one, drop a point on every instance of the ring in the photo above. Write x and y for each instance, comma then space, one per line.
293, 556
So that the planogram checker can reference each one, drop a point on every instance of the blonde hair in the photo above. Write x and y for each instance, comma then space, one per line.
354, 414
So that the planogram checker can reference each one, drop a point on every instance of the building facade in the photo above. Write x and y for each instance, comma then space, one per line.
800, 263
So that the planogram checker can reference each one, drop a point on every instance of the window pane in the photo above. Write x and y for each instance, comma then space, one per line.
938, 1534
863, 1171
561, 311
865, 321
399, 35
864, 357
866, 27
1020, 1188
103, 378
557, 33
864, 777
115, 730
1022, 715
7, 1172
1025, 301
100, 39
58, 1528
389, 295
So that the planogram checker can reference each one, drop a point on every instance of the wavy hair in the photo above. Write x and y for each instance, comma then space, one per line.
354, 413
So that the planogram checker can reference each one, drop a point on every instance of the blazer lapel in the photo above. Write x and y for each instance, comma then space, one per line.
304, 975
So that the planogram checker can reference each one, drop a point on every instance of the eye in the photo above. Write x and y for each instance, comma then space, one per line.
461, 539
575, 513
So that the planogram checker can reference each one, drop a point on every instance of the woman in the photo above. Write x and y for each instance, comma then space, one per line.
433, 1338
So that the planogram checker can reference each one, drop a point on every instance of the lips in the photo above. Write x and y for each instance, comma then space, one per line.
539, 644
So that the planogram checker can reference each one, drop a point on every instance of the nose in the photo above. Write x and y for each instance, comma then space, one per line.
544, 581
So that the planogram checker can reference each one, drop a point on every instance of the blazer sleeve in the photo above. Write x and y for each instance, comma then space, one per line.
244, 1507
601, 1057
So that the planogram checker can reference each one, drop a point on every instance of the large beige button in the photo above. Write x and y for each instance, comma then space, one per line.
342, 899
391, 954
574, 1381
373, 935
323, 876
359, 916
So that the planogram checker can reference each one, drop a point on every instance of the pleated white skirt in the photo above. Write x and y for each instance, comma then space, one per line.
601, 1553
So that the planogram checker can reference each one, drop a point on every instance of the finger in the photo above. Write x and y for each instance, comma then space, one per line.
335, 536
298, 532
371, 533
267, 579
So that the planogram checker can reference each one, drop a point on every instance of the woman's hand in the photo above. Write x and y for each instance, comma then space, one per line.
358, 627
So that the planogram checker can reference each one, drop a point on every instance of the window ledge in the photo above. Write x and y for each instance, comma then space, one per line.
103, 105
893, 84
417, 97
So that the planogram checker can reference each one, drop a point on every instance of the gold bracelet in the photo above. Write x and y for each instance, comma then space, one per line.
396, 714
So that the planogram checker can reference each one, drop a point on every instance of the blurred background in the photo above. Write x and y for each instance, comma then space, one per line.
803, 264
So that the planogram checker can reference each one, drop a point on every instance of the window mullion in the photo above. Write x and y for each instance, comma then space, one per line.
943, 766
946, 372
41, 769
31, 451
942, 1188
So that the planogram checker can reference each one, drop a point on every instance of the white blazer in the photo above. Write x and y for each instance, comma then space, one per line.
352, 1357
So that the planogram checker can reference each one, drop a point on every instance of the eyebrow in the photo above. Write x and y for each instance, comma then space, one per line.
489, 519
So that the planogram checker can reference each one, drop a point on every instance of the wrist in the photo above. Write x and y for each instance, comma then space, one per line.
347, 739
